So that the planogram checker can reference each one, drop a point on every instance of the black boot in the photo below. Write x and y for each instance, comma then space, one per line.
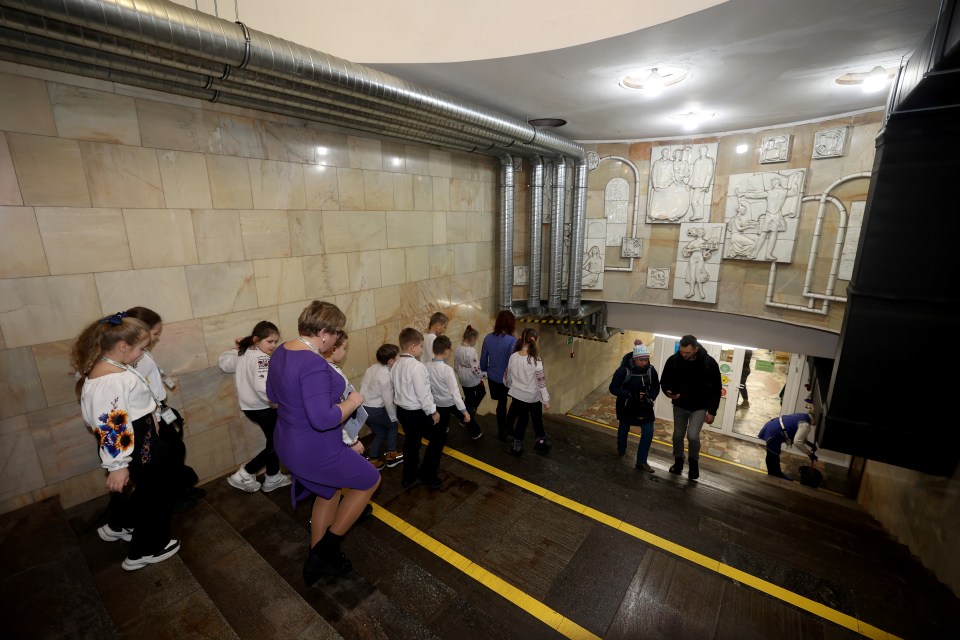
694, 470
325, 560
677, 468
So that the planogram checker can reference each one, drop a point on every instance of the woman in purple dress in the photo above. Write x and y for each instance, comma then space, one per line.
308, 439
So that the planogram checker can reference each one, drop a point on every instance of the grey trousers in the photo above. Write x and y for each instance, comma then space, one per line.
687, 424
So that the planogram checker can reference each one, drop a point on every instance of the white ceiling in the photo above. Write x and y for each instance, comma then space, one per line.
754, 63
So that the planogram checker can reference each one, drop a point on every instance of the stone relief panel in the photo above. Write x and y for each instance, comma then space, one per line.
698, 262
829, 143
592, 276
658, 277
681, 182
775, 149
521, 275
762, 215
616, 207
631, 248
851, 240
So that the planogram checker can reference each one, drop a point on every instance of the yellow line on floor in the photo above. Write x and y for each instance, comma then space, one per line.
795, 599
501, 587
666, 444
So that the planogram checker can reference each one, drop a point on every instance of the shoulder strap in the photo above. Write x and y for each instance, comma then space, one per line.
629, 375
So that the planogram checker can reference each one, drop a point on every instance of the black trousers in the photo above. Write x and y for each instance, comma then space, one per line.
266, 419
520, 411
472, 397
417, 425
498, 392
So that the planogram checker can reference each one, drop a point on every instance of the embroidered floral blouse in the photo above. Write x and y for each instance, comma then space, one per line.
109, 405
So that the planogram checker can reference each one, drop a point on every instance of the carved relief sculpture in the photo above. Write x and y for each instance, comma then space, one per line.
698, 262
658, 277
775, 149
592, 276
681, 182
829, 143
631, 248
762, 215
521, 275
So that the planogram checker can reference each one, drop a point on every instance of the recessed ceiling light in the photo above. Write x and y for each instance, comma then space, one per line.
743, 148
652, 80
692, 119
875, 79
547, 122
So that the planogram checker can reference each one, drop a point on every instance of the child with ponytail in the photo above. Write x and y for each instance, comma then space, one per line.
249, 363
118, 404
528, 389
466, 363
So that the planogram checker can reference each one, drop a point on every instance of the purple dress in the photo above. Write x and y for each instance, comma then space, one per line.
308, 436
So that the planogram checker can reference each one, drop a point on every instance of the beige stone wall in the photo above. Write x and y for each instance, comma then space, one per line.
743, 284
217, 218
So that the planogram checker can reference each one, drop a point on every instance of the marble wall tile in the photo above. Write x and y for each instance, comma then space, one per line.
221, 288
44, 309
364, 268
377, 190
56, 374
418, 266
219, 332
217, 233
350, 189
383, 333
163, 290
409, 228
181, 349
160, 237
357, 360
441, 163
20, 384
20, 470
156, 96
9, 187
289, 143
464, 195
326, 275
49, 170
185, 181
209, 399
354, 231
306, 232
120, 176
210, 453
365, 153
246, 440
433, 294
457, 228
85, 114
279, 280
277, 185
439, 227
25, 106
387, 302
178, 127
465, 256
71, 237
393, 266
394, 157
462, 288
266, 234
320, 185
441, 194
422, 193
441, 260
417, 159
474, 220
359, 307
289, 314
65, 445
487, 227
410, 305
242, 136
330, 147
229, 182
21, 250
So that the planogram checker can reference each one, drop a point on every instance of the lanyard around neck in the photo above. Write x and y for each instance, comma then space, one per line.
125, 367
312, 348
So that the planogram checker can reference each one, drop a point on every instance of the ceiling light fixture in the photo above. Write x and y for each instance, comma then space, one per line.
870, 81
743, 148
692, 119
652, 80
547, 122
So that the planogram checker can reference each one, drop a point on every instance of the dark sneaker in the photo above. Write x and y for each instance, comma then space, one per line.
645, 467
132, 564
392, 459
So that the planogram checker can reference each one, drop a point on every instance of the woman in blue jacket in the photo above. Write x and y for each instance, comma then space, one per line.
636, 386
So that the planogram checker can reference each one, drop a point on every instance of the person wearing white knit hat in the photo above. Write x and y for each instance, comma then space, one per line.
636, 386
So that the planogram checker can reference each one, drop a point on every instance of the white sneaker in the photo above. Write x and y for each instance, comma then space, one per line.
132, 564
275, 482
244, 481
110, 535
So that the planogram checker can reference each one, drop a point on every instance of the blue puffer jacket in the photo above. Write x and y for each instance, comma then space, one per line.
627, 384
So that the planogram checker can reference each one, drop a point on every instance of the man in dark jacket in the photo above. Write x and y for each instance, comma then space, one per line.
636, 386
691, 378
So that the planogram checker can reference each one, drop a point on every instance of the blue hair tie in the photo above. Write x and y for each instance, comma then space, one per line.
115, 319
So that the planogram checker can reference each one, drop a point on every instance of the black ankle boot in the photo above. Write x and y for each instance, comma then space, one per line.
694, 470
677, 467
325, 560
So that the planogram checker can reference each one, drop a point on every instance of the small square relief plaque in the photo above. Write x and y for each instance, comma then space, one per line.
631, 248
658, 277
775, 149
521, 275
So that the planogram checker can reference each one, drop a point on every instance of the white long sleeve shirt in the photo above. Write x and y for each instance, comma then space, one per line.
427, 354
149, 369
109, 405
347, 440
250, 375
411, 385
466, 363
526, 379
377, 390
443, 385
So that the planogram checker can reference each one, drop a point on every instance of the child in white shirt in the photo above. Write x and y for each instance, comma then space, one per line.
334, 356
446, 392
528, 390
377, 392
467, 365
417, 412
437, 327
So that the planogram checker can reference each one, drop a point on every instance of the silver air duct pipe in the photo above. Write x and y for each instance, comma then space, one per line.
506, 232
576, 240
558, 200
534, 307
